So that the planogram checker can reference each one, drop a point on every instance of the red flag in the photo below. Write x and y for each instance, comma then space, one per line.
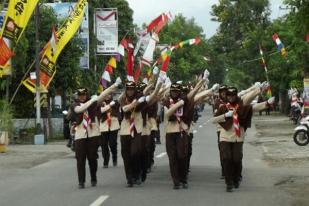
130, 62
154, 23
138, 72
161, 24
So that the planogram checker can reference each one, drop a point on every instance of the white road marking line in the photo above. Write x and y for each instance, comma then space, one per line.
161, 155
100, 200
194, 131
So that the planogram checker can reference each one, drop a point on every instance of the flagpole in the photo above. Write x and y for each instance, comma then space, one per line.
21, 82
37, 68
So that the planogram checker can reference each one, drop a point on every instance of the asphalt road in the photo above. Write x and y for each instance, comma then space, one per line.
55, 182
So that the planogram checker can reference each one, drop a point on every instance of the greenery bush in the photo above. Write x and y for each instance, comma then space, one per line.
6, 116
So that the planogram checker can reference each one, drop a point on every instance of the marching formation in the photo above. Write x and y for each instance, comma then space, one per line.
96, 121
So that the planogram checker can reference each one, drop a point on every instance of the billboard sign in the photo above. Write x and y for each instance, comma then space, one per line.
106, 30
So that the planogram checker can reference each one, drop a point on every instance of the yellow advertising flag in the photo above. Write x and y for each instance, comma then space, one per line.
17, 17
49, 57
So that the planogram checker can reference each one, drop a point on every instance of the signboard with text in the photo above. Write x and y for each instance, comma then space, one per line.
106, 30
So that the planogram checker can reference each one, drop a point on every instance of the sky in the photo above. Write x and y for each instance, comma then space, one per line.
146, 10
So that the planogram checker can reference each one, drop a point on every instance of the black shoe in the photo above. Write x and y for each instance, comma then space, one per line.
93, 183
185, 185
130, 184
236, 185
144, 177
105, 166
137, 181
176, 187
81, 185
229, 188
222, 177
158, 142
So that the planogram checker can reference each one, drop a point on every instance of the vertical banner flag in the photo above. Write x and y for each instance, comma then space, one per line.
63, 11
279, 44
14, 24
16, 20
106, 30
50, 54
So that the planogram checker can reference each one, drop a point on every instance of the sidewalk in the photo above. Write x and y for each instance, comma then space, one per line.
27, 156
274, 135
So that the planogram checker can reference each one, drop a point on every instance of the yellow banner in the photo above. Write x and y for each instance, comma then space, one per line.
17, 17
7, 69
49, 57
15, 22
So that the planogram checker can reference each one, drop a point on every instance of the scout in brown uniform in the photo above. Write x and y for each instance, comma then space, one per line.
176, 134
109, 129
145, 133
220, 100
131, 130
235, 118
87, 132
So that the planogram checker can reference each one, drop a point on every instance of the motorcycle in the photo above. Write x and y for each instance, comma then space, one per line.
301, 132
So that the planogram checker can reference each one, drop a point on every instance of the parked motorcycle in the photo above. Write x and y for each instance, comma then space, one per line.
301, 132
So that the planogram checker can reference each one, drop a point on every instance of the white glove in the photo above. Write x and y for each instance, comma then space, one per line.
141, 99
112, 103
161, 79
94, 98
264, 86
242, 93
118, 81
215, 87
257, 84
206, 81
155, 70
147, 98
229, 113
167, 82
206, 74
271, 100
182, 102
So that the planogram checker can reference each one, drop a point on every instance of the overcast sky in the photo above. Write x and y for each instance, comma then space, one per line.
146, 10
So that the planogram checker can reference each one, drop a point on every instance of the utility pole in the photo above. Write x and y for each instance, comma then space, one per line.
37, 69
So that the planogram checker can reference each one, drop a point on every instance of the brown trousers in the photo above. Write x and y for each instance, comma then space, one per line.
177, 151
109, 143
152, 148
220, 153
232, 154
131, 151
190, 139
87, 149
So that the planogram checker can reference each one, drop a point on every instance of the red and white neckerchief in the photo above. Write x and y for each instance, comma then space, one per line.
235, 118
132, 125
109, 118
178, 114
86, 120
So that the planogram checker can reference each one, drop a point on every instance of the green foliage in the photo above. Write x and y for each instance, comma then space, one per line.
6, 116
244, 25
